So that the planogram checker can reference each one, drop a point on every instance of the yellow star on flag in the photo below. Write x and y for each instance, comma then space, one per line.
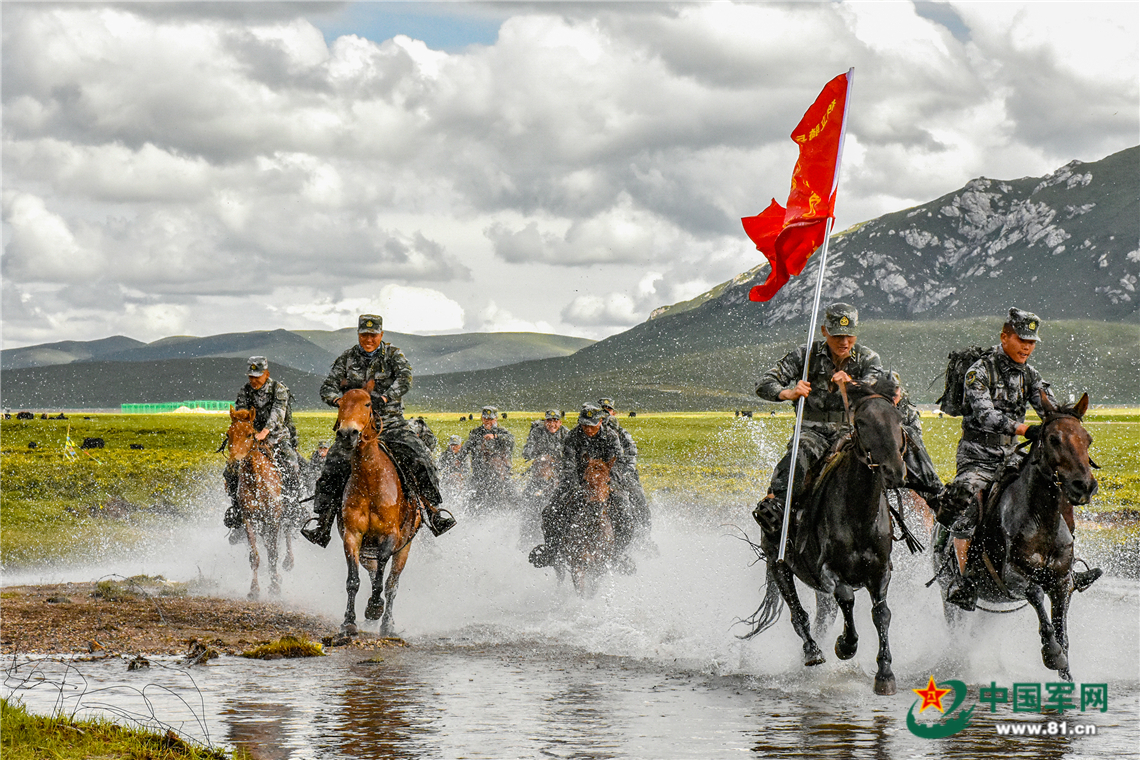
931, 696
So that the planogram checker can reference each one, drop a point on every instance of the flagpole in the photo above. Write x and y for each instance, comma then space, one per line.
802, 401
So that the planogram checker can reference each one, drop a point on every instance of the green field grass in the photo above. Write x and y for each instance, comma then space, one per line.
709, 466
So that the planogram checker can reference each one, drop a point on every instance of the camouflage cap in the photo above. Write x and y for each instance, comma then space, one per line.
841, 319
1024, 323
489, 413
369, 323
257, 366
454, 440
553, 414
322, 444
591, 415
606, 403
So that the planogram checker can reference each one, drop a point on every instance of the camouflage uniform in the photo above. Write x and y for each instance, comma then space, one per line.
577, 451
920, 473
272, 407
491, 486
997, 392
541, 445
628, 476
420, 427
824, 419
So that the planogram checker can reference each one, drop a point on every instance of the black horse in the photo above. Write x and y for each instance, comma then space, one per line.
840, 539
1023, 546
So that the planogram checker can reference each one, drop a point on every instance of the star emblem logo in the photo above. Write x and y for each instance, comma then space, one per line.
932, 696
1032, 325
844, 321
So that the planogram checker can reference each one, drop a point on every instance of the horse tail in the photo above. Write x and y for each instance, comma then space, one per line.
769, 610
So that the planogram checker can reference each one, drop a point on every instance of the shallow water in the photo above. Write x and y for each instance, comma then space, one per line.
502, 662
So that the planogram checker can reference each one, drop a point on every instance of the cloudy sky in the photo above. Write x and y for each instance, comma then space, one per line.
198, 168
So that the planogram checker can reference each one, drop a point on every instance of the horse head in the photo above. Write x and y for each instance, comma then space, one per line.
597, 477
879, 439
240, 439
1062, 450
354, 415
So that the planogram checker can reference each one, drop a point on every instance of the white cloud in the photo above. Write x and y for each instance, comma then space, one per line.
494, 318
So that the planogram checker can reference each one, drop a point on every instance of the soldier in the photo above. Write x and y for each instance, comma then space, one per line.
272, 404
420, 427
312, 468
449, 464
544, 449
921, 476
628, 477
835, 359
591, 439
490, 448
373, 359
997, 389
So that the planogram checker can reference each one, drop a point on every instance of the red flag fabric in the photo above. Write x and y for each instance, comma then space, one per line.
789, 236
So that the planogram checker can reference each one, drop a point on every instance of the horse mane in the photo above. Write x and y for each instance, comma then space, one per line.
884, 385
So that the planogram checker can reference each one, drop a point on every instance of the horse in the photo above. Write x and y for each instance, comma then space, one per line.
588, 548
1023, 546
259, 495
377, 519
842, 539
541, 481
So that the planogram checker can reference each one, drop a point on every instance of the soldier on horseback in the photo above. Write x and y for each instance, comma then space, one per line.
490, 447
272, 404
997, 389
383, 363
628, 476
590, 440
835, 359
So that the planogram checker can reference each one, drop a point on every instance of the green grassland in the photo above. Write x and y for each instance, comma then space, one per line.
706, 466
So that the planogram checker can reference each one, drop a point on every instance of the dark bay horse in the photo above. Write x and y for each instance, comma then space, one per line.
1023, 546
377, 520
259, 495
588, 547
841, 539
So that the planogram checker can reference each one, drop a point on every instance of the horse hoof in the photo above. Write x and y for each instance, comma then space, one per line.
287, 565
374, 611
1054, 659
885, 687
844, 652
349, 629
253, 596
813, 656
1065, 675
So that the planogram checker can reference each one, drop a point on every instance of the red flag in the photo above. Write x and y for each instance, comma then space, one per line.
787, 237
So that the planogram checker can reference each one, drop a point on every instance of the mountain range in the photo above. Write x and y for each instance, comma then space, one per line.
926, 280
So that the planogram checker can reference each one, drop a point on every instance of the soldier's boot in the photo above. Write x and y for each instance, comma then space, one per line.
439, 520
941, 536
328, 498
1086, 578
962, 592
232, 518
543, 555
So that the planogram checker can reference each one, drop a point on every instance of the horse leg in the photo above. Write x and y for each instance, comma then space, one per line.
352, 585
254, 561
1060, 594
1052, 653
271, 538
825, 612
375, 607
881, 616
396, 566
287, 563
848, 642
786, 582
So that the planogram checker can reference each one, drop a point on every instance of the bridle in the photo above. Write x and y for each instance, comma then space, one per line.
862, 454
1037, 460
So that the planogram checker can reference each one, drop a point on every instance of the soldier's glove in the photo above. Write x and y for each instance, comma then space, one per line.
1033, 432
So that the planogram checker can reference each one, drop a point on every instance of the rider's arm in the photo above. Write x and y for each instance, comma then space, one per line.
401, 370
783, 376
529, 448
280, 407
331, 389
867, 367
976, 394
1035, 387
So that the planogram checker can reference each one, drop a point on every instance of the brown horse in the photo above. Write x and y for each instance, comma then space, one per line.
259, 494
589, 545
378, 521
1023, 546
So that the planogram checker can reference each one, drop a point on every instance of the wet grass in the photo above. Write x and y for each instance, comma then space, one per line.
285, 647
24, 736
711, 464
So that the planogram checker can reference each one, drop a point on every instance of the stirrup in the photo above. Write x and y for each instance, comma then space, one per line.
440, 521
1085, 578
318, 534
963, 594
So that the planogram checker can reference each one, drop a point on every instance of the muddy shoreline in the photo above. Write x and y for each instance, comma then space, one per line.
148, 618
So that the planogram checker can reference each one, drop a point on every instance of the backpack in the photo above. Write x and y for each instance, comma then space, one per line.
951, 401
